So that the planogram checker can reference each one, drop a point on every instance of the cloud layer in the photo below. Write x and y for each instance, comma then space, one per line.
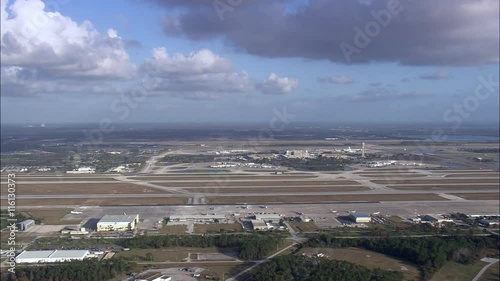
425, 32
337, 79
201, 74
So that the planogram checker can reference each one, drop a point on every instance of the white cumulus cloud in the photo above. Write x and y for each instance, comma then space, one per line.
275, 85
55, 49
199, 75
337, 79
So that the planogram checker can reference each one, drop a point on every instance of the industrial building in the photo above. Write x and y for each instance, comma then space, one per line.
360, 217
489, 223
118, 222
197, 218
24, 225
268, 217
51, 256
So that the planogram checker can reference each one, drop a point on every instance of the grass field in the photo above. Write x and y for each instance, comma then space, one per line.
20, 180
476, 175
81, 188
393, 175
453, 271
304, 226
48, 216
96, 201
444, 187
217, 227
479, 196
257, 183
438, 181
175, 254
367, 258
222, 177
492, 273
173, 229
325, 198
277, 190
223, 271
461, 171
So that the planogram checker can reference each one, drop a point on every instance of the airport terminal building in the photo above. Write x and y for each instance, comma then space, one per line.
118, 223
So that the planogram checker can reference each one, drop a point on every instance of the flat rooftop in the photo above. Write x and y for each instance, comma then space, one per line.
360, 215
53, 254
118, 218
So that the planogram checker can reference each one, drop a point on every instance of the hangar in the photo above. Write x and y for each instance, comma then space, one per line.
118, 222
360, 217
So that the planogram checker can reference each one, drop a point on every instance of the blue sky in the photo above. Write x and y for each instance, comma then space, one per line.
421, 67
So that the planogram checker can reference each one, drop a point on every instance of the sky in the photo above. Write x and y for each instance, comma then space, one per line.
230, 61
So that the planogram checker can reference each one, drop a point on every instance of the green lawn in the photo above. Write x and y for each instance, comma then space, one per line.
453, 271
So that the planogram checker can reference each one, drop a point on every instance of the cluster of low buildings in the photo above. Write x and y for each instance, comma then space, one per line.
207, 218
378, 164
265, 221
82, 170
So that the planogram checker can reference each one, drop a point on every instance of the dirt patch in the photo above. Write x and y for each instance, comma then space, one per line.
224, 177
98, 202
174, 229
218, 227
367, 258
277, 190
20, 180
478, 175
478, 196
393, 175
436, 181
443, 187
221, 182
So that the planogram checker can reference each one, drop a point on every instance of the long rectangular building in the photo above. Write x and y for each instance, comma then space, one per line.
51, 256
197, 218
118, 223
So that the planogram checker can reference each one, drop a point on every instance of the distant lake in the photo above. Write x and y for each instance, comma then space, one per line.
454, 137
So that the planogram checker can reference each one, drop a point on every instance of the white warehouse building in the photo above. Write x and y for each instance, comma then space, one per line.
51, 256
118, 222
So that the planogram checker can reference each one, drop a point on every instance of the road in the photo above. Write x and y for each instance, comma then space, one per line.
480, 273
259, 262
